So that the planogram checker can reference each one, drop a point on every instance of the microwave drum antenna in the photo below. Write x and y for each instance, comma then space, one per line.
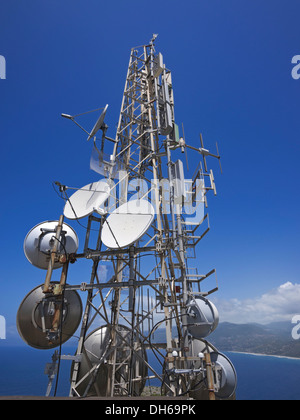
36, 314
40, 241
203, 317
97, 351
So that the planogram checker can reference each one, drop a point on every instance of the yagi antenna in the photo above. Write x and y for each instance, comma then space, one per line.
219, 158
204, 152
186, 156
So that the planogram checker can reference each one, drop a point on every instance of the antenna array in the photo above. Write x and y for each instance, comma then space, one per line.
145, 301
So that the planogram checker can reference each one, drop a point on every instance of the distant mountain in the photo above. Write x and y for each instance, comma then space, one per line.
272, 339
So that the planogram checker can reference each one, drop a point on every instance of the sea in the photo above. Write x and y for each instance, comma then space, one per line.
259, 377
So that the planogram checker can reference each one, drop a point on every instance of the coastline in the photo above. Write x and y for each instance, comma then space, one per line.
265, 355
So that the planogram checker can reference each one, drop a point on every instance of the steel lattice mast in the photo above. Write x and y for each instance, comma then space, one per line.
145, 138
152, 284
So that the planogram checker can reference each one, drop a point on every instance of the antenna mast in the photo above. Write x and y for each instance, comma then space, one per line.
146, 314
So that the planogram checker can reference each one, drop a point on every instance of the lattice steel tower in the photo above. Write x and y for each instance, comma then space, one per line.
146, 304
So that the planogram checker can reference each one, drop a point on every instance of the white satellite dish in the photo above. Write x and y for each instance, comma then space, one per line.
99, 124
127, 224
86, 200
40, 241
203, 317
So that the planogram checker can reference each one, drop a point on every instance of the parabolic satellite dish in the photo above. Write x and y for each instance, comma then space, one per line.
84, 201
99, 124
127, 224
36, 311
40, 241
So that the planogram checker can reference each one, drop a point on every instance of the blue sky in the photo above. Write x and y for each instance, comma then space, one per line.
231, 69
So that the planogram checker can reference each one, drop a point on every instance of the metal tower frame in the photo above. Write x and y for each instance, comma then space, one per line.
153, 280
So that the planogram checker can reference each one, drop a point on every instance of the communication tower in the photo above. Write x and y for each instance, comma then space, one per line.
146, 305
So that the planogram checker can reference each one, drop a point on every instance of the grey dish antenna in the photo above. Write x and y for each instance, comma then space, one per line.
40, 241
97, 349
99, 124
203, 317
225, 373
86, 200
36, 316
227, 376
